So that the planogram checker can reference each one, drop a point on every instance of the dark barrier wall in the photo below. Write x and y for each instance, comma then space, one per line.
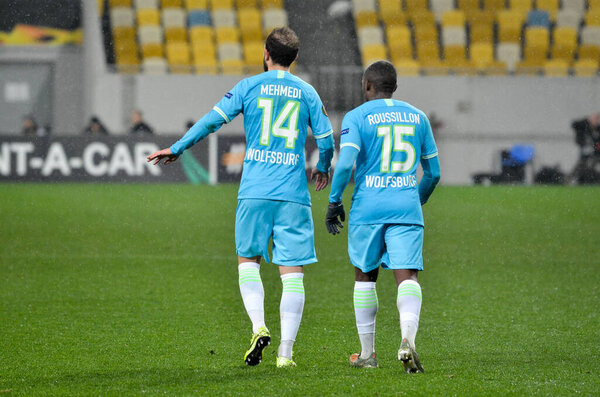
60, 14
103, 159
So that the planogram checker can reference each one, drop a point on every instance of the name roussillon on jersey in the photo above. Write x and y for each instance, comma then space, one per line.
280, 90
394, 117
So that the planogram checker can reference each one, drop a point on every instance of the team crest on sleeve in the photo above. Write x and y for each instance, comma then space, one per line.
324, 112
228, 95
345, 131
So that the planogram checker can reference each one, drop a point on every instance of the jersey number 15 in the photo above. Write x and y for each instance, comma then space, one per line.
398, 145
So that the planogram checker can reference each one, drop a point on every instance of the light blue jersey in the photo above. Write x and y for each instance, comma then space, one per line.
278, 108
391, 136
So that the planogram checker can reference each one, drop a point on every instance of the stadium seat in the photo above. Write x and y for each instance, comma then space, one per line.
592, 17
407, 67
468, 6
221, 5
154, 66
550, 6
399, 42
455, 56
249, 21
148, 16
150, 34
538, 18
588, 51
224, 17
359, 6
585, 68
593, 4
121, 17
482, 55
556, 68
230, 58
265, 4
140, 4
118, 3
538, 38
569, 17
510, 23
121, 33
564, 43
173, 17
481, 33
413, 6
201, 35
494, 5
509, 54
390, 12
205, 59
241, 4
196, 5
426, 33
232, 66
454, 35
199, 18
254, 55
366, 18
227, 34
590, 35
428, 54
178, 56
453, 18
272, 18
370, 35
481, 17
170, 3
176, 34
522, 6
152, 50
575, 5
422, 17
438, 7
126, 56
372, 53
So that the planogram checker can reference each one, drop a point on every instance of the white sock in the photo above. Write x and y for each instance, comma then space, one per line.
292, 305
253, 293
409, 305
365, 311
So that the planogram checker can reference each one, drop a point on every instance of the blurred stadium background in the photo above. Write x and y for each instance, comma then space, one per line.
491, 74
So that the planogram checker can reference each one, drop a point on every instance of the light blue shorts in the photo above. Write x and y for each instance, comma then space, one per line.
290, 225
391, 245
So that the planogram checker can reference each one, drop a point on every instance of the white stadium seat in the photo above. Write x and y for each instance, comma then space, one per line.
510, 54
454, 35
150, 34
139, 4
224, 18
228, 51
155, 65
173, 17
363, 5
438, 7
121, 16
370, 35
274, 17
569, 18
590, 35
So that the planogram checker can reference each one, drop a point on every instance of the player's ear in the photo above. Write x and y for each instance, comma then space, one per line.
266, 55
395, 87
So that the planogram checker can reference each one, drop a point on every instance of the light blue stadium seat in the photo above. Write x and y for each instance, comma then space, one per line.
538, 18
199, 18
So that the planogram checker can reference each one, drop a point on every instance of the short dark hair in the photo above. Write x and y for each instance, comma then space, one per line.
383, 76
283, 44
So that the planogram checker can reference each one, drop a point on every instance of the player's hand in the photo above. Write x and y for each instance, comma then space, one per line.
165, 154
332, 222
321, 179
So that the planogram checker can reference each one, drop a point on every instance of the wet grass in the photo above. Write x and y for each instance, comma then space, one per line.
112, 290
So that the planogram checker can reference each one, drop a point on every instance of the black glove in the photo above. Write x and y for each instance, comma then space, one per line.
332, 222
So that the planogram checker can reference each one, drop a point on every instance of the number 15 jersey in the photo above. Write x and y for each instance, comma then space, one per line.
391, 136
278, 108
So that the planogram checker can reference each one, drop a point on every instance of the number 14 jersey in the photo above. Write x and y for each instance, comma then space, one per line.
278, 108
391, 136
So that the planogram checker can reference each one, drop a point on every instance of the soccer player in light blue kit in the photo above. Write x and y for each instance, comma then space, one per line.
387, 139
273, 198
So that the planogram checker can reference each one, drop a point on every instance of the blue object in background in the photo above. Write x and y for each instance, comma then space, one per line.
199, 18
538, 18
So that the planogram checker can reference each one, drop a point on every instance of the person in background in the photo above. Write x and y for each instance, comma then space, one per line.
95, 127
139, 125
587, 137
31, 128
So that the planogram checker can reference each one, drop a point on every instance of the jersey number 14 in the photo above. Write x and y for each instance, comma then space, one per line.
289, 113
397, 144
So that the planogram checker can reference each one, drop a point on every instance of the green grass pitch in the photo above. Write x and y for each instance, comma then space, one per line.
132, 289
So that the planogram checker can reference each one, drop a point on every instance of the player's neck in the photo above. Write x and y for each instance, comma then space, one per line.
378, 95
278, 67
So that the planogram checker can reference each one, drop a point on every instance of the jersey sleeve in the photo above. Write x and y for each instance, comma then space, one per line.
428, 146
349, 136
232, 103
319, 120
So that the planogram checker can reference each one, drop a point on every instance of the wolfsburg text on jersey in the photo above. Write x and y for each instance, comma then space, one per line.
273, 157
281, 90
378, 182
394, 117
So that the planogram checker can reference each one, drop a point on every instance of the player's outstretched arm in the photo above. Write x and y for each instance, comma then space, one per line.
341, 177
430, 179
160, 155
